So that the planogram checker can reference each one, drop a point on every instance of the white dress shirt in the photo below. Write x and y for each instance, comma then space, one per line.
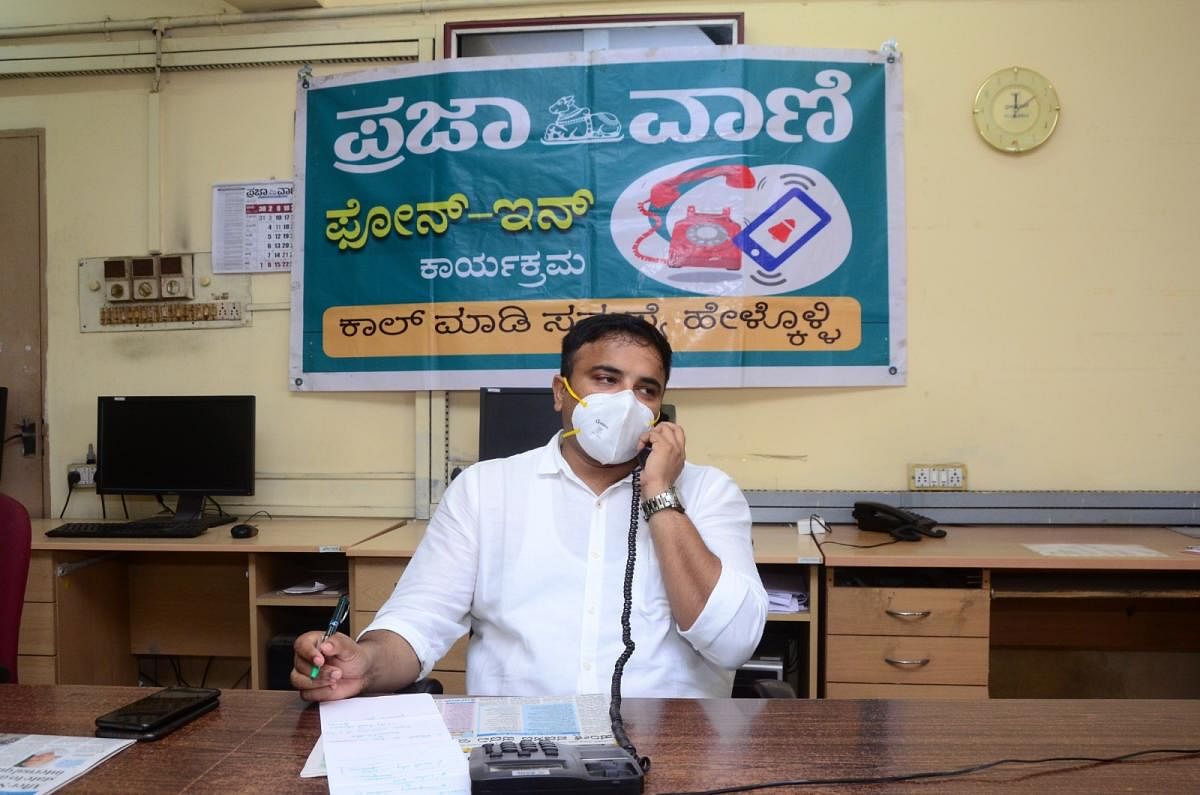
524, 554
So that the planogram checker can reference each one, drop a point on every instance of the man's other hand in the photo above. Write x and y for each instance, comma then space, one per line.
343, 667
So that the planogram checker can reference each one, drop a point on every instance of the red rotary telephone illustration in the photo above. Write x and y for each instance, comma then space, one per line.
701, 239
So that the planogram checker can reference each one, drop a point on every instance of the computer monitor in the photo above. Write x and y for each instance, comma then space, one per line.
515, 419
190, 446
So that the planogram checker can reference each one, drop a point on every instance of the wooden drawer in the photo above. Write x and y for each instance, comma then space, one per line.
860, 690
37, 628
959, 612
373, 580
39, 586
916, 660
36, 669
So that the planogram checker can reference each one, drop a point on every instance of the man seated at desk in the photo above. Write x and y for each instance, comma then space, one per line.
529, 554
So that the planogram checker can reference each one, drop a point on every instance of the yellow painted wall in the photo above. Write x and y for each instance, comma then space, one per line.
1054, 303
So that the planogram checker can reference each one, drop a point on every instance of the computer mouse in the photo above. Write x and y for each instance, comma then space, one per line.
243, 531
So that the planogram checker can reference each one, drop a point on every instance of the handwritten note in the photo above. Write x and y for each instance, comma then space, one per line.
390, 744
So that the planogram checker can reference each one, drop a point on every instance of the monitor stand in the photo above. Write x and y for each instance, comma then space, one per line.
189, 507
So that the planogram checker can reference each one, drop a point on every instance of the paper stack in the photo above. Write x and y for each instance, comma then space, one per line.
780, 601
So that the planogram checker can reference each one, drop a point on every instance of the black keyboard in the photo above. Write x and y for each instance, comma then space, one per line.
165, 527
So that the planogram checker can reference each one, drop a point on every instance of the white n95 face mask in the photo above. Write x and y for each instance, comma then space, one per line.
609, 424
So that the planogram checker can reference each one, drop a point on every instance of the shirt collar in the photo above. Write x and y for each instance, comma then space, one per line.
550, 459
551, 462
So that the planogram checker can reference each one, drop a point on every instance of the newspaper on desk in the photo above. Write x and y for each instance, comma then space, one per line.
565, 719
42, 763
473, 721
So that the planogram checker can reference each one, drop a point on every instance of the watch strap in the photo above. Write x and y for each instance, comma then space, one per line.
667, 500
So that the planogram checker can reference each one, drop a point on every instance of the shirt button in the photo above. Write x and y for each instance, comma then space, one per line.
587, 666
591, 611
595, 556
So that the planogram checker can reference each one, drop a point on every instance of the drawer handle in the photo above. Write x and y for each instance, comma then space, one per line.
915, 663
908, 613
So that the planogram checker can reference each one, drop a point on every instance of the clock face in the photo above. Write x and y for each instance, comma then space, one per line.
1016, 109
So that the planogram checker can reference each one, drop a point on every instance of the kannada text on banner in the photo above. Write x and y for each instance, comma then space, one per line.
460, 216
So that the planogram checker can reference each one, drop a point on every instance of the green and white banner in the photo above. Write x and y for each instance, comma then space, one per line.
455, 218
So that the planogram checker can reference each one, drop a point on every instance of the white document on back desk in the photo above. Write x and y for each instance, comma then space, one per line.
390, 744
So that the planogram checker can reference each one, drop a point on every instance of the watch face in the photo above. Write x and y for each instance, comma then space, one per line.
1016, 109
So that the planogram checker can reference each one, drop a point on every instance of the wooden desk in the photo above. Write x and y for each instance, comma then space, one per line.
92, 603
981, 612
376, 566
257, 741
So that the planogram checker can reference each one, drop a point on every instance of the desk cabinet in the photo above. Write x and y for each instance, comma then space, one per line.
74, 622
1059, 611
36, 657
893, 641
94, 606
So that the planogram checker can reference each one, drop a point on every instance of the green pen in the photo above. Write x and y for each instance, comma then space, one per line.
339, 615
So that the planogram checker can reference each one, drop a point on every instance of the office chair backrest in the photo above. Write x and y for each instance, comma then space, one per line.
15, 538
3, 422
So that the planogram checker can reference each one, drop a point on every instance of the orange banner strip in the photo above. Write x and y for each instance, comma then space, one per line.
753, 323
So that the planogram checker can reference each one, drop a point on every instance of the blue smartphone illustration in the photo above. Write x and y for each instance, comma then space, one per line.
780, 230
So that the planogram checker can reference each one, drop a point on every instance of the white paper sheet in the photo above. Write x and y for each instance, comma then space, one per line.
314, 766
390, 744
1095, 550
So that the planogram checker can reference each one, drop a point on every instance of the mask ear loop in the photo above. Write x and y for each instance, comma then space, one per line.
578, 400
582, 402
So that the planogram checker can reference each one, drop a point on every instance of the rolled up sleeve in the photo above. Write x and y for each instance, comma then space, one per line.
730, 626
430, 605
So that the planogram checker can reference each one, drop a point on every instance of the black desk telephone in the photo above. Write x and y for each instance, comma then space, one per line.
543, 766
903, 525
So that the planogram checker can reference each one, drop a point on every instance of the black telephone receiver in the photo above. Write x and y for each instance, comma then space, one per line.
642, 455
665, 414
901, 524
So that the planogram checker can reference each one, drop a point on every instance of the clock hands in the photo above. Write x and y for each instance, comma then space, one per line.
1017, 105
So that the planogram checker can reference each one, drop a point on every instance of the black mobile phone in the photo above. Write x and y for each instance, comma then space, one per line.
158, 714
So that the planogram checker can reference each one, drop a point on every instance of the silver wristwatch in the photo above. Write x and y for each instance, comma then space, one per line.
661, 502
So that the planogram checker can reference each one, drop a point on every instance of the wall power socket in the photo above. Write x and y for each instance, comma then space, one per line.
87, 474
937, 477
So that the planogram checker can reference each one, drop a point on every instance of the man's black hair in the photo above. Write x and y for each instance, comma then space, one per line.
630, 327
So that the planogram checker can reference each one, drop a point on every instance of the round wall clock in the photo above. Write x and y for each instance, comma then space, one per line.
1016, 109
